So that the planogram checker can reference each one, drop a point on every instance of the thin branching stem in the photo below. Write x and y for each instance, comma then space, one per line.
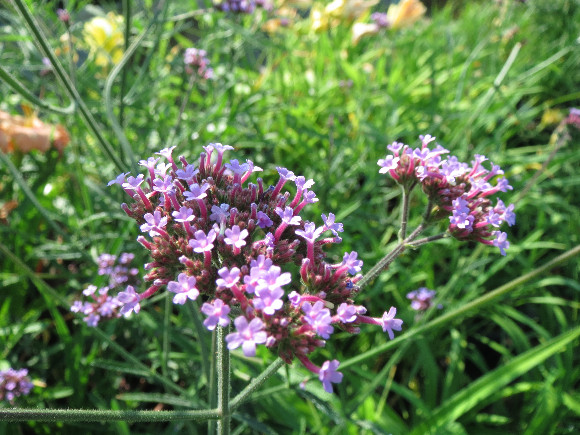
425, 240
389, 258
35, 29
184, 102
21, 90
463, 311
84, 415
404, 213
256, 383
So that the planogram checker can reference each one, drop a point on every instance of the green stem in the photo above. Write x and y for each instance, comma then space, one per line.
212, 400
223, 377
35, 29
116, 126
425, 240
389, 258
464, 311
127, 12
255, 384
24, 186
184, 102
20, 89
166, 328
404, 214
71, 62
70, 415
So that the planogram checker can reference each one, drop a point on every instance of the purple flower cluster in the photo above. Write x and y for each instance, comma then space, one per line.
242, 6
196, 62
240, 247
14, 383
100, 303
422, 299
63, 15
457, 190
573, 117
380, 19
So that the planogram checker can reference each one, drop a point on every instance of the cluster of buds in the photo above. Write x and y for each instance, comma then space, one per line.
241, 6
422, 299
245, 251
196, 62
455, 190
14, 383
100, 303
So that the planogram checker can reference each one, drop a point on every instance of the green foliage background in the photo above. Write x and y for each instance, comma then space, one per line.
481, 76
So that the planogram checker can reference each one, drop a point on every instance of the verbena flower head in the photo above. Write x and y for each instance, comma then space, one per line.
196, 62
422, 299
103, 303
459, 191
240, 248
242, 6
380, 19
14, 383
573, 117
63, 15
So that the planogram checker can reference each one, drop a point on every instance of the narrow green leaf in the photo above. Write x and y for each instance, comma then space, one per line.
478, 391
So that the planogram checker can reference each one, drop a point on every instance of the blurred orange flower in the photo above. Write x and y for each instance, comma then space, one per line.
405, 13
27, 133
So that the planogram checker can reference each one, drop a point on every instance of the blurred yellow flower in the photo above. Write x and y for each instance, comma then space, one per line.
104, 37
27, 133
349, 9
551, 117
405, 13
318, 18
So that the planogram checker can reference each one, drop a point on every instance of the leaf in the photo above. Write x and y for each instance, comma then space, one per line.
474, 394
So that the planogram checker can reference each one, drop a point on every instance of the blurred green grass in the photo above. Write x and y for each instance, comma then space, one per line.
479, 77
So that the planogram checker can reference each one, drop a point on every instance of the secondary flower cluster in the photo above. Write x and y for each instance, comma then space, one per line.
14, 383
246, 252
456, 190
422, 299
101, 304
573, 117
196, 62
241, 6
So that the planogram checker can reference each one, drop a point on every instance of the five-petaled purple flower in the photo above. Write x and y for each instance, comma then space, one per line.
390, 323
247, 335
130, 299
319, 318
202, 242
328, 375
184, 289
217, 314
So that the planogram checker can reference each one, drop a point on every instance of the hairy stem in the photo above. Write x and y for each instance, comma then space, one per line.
223, 377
